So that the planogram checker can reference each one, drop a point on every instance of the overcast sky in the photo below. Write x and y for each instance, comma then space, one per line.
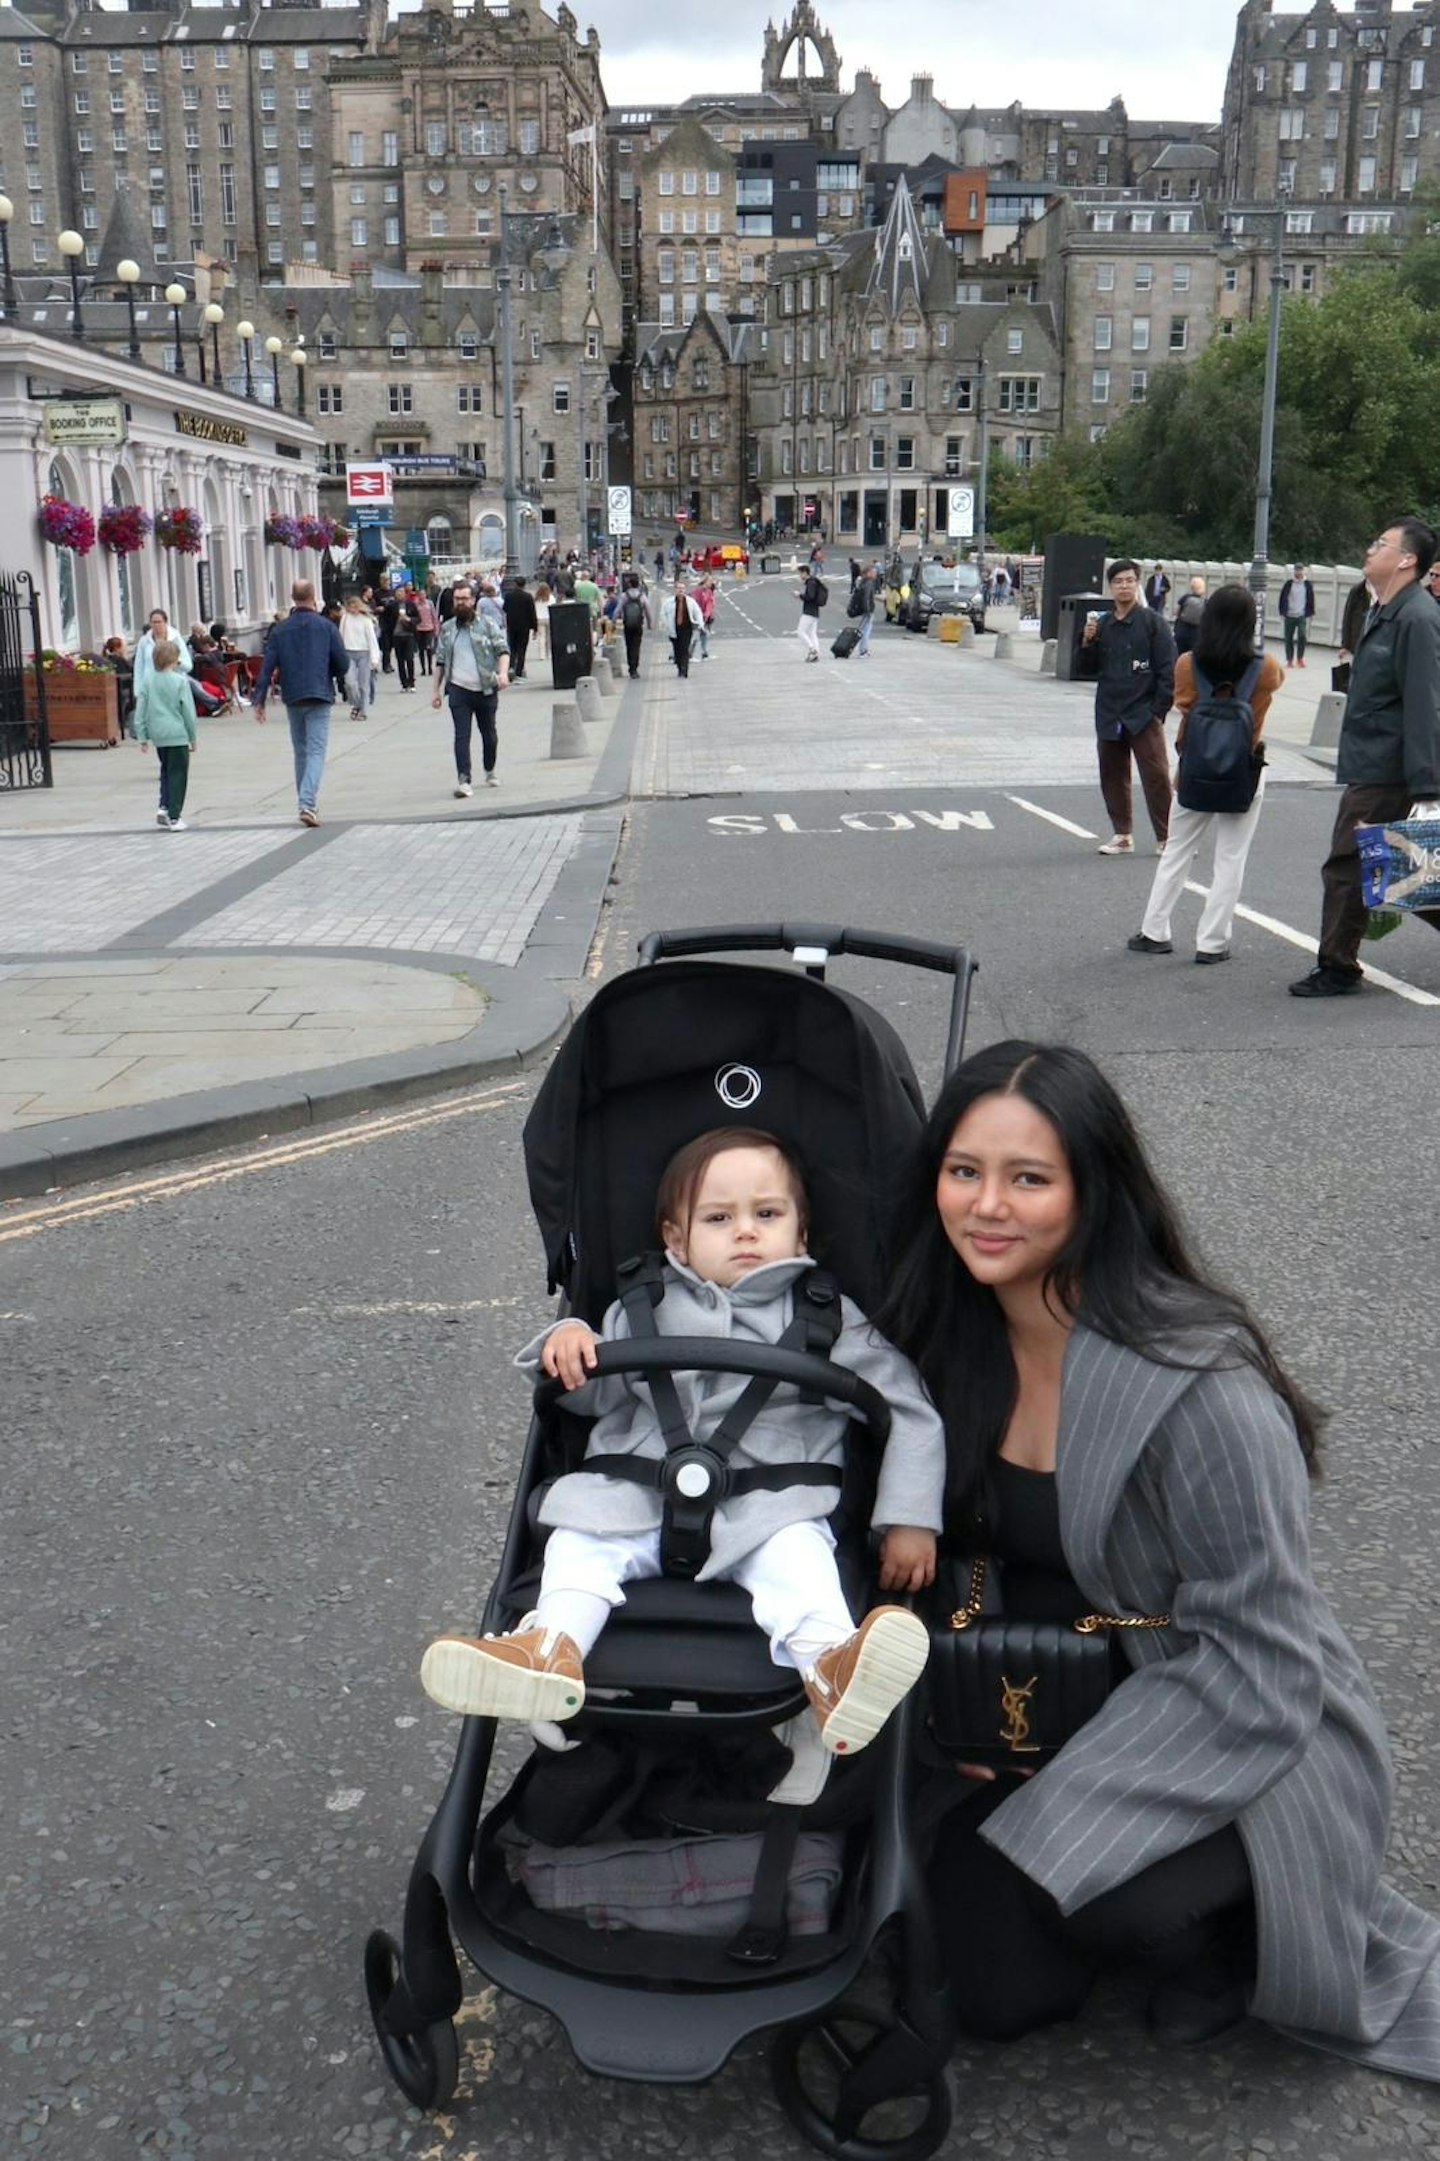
1167, 63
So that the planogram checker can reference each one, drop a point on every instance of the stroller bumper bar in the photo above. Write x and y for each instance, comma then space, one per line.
703, 1354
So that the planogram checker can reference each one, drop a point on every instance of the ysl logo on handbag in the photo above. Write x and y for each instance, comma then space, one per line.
1014, 1701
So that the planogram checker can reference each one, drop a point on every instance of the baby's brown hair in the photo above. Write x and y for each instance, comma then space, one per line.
683, 1173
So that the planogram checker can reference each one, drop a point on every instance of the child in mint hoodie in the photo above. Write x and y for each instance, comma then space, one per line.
165, 716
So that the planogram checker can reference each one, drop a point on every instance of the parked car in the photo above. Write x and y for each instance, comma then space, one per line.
726, 557
914, 594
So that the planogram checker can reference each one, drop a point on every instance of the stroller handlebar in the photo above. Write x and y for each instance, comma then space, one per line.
703, 1354
831, 938
813, 944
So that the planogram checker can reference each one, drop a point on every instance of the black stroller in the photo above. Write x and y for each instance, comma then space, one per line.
660, 1055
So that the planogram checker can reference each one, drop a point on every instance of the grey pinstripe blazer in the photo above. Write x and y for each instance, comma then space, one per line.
1185, 1493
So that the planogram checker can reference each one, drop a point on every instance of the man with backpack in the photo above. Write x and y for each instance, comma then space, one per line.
1132, 653
862, 609
812, 598
635, 620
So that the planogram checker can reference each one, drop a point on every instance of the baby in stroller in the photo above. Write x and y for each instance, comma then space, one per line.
732, 1216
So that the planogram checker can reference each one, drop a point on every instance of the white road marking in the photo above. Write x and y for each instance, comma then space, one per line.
1306, 944
398, 1305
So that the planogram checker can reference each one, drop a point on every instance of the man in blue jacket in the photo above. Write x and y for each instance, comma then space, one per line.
306, 653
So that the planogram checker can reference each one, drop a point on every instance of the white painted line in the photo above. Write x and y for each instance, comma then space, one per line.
1277, 929
1053, 817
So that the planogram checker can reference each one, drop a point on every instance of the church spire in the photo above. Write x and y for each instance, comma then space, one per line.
899, 267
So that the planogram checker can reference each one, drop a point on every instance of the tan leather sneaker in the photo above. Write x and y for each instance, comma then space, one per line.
854, 1688
529, 1675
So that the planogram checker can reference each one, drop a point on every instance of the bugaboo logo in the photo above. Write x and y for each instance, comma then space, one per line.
738, 1086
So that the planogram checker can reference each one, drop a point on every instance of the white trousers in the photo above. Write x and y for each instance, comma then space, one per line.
791, 1576
1234, 831
809, 632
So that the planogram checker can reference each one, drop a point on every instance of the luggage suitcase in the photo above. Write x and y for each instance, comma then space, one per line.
846, 643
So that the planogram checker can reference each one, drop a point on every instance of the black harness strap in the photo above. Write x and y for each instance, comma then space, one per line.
696, 1475
762, 1940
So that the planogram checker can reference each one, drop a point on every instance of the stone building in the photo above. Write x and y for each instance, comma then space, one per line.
691, 405
1331, 107
1136, 285
869, 398
409, 369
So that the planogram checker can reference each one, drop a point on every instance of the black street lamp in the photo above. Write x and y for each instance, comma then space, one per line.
275, 347
245, 332
176, 296
72, 247
7, 212
214, 316
1259, 574
298, 360
128, 273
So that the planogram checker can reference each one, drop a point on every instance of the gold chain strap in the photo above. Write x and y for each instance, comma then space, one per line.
1087, 1625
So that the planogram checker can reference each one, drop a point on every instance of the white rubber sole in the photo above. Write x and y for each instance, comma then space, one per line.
461, 1677
892, 1659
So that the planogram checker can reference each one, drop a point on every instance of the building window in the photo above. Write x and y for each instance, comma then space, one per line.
1144, 277
330, 398
1327, 181
1409, 173
1374, 74
302, 57
1332, 126
469, 398
1417, 75
392, 232
78, 63
1299, 75
1180, 278
1179, 333
267, 99
877, 393
1366, 181
390, 147
665, 182
1139, 384
266, 61
1292, 124
1370, 126
1103, 221
1140, 334
1100, 386
303, 98
1104, 277
1014, 341
490, 139
190, 98
904, 453
1020, 393
907, 393
1104, 333
560, 401
877, 453
82, 102
401, 398
359, 231
1334, 75
435, 138
964, 400
227, 195
195, 186
28, 97
25, 57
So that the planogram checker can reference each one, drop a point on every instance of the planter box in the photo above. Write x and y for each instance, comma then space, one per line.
79, 708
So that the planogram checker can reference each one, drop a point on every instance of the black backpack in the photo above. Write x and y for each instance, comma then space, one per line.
822, 592
857, 600
632, 613
1220, 763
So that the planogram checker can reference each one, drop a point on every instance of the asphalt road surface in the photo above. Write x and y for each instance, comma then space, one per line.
262, 1430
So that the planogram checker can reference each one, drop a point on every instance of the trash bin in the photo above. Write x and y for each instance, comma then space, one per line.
571, 642
1073, 610
770, 565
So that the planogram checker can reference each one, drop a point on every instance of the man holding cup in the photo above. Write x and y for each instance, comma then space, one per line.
1131, 652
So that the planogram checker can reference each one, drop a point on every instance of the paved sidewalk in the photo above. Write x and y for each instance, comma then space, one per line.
162, 993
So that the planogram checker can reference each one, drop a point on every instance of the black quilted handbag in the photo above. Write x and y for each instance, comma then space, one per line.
1010, 1693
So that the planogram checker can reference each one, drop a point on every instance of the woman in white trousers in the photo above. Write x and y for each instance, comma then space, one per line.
1224, 649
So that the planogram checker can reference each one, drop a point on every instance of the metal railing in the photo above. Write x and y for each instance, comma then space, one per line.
24, 735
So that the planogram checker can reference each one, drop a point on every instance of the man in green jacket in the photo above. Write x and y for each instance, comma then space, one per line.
1389, 760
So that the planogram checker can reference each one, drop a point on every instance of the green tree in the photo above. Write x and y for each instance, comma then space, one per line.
1063, 493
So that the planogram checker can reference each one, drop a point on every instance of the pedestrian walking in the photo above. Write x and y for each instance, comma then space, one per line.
407, 626
635, 620
389, 617
1133, 654
1389, 757
543, 598
427, 630
1224, 664
865, 594
1157, 589
472, 666
306, 652
165, 716
1297, 605
362, 650
679, 618
705, 603
1187, 616
812, 598
521, 624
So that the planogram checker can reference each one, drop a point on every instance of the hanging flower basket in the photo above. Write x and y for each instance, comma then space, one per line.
125, 528
283, 532
66, 525
180, 529
322, 532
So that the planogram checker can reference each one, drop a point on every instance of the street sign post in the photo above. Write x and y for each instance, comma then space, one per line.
960, 517
617, 512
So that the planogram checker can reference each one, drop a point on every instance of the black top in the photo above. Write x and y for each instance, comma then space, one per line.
1135, 663
1025, 1539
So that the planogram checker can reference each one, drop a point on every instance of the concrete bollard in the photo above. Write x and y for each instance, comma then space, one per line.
600, 672
567, 736
1002, 645
1047, 656
1325, 729
590, 699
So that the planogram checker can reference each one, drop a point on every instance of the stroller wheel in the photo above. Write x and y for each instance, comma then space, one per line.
811, 2067
425, 2065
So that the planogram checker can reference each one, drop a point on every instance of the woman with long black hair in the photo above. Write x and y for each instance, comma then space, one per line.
1123, 1441
1222, 661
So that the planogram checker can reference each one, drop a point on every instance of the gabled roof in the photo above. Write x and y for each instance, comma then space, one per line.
127, 237
900, 267
14, 25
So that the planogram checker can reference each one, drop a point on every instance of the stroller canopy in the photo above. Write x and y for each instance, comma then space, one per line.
670, 1051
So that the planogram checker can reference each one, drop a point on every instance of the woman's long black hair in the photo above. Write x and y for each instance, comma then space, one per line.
1125, 1271
1225, 640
